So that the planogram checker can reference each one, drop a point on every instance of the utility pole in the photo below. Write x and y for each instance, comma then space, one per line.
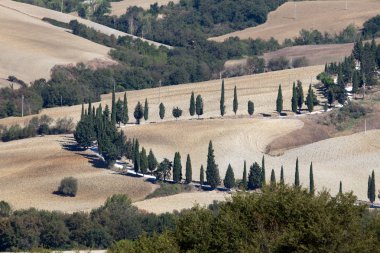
365, 125
295, 10
61, 100
346, 5
62, 6
22, 106
220, 75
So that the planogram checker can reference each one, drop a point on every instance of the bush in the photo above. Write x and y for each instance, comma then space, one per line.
300, 62
279, 63
68, 187
169, 189
5, 209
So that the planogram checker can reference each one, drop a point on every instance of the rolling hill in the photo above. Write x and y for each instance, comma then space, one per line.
325, 16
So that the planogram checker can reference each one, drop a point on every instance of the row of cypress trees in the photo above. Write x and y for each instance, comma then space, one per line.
298, 99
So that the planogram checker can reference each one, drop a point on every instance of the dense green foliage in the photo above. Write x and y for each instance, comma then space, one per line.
273, 221
37, 126
177, 112
117, 219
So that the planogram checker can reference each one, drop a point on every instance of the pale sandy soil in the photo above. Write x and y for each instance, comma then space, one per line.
31, 169
119, 8
39, 13
261, 89
349, 159
181, 201
29, 47
325, 16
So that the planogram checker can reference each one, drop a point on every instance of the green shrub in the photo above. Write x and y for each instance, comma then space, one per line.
68, 187
5, 209
169, 189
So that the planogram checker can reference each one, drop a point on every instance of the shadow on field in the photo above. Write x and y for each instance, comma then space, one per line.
93, 160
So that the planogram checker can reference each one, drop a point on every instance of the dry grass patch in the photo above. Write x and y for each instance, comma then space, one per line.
29, 47
325, 16
31, 170
119, 8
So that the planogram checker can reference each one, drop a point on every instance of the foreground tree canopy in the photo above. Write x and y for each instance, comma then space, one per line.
281, 219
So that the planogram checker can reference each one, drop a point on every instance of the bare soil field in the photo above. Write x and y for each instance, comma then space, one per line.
31, 169
180, 201
260, 88
40, 13
119, 8
325, 16
27, 53
348, 158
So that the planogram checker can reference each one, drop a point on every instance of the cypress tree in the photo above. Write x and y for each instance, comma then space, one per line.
201, 177
282, 178
189, 170
119, 111
146, 110
297, 175
341, 94
358, 49
235, 102
330, 96
369, 187
355, 82
89, 110
199, 106
272, 178
138, 113
294, 99
229, 179
177, 168
254, 177
300, 96
82, 113
251, 108
310, 99
136, 160
143, 161
212, 171
152, 161
279, 101
263, 181
192, 104
222, 106
311, 178
244, 181
113, 109
162, 111
340, 188
106, 112
125, 117
372, 189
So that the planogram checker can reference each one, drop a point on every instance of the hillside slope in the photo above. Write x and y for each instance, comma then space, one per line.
119, 8
325, 16
29, 47
38, 12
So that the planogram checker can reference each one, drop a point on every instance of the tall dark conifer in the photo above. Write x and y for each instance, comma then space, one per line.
235, 102
212, 171
192, 104
146, 110
263, 180
279, 101
272, 178
222, 105
297, 175
199, 105
300, 96
136, 160
340, 188
113, 109
189, 170
311, 178
125, 110
310, 99
244, 181
282, 178
201, 177
177, 168
294, 99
